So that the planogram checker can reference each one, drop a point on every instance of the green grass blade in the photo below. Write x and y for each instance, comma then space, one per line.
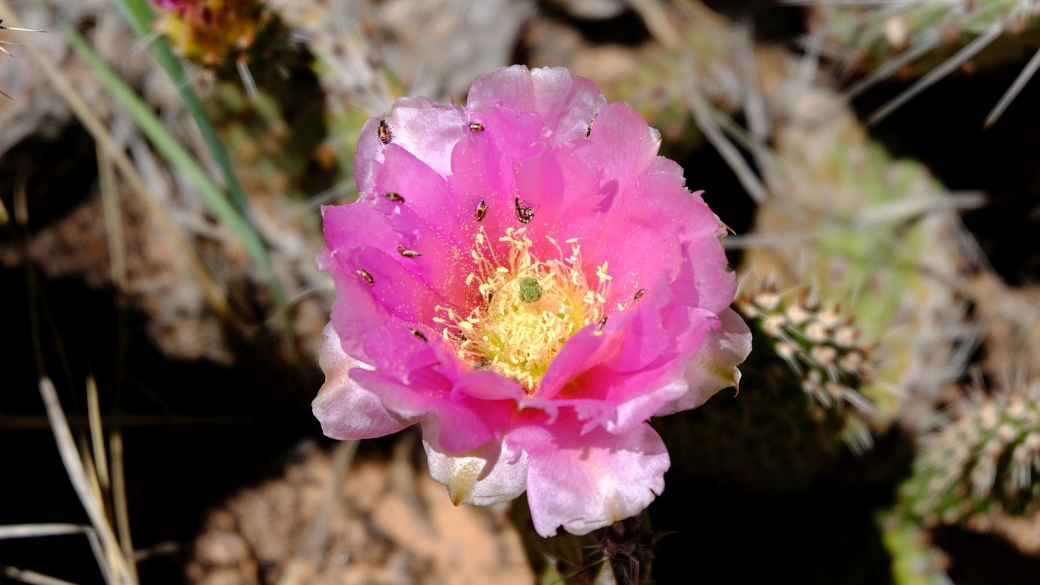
177, 155
139, 14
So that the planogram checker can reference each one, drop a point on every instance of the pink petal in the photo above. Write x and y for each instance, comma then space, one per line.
455, 426
585, 482
488, 474
715, 366
481, 173
567, 105
659, 217
394, 229
426, 129
368, 332
632, 397
517, 134
345, 409
512, 85
425, 191
622, 144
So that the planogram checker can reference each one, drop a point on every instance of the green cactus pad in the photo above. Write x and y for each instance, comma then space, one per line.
986, 459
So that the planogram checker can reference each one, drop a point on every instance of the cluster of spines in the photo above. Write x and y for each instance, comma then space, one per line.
880, 33
823, 351
800, 401
986, 460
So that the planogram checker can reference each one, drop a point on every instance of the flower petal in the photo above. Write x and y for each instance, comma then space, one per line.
456, 426
426, 129
345, 409
488, 474
512, 85
623, 145
715, 366
567, 104
585, 482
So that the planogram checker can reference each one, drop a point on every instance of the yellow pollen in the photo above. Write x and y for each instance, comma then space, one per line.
514, 331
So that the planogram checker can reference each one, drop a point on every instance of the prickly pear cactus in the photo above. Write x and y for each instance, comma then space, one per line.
986, 460
824, 355
873, 234
208, 31
800, 404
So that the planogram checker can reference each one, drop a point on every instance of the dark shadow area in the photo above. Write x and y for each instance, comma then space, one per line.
772, 21
193, 432
943, 128
825, 534
979, 559
706, 170
56, 174
626, 28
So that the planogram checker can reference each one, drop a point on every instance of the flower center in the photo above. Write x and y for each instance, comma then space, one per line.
531, 307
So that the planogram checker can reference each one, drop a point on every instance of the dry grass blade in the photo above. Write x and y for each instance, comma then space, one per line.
97, 436
970, 50
122, 515
1013, 91
33, 577
810, 62
40, 530
88, 467
113, 219
247, 78
754, 102
114, 567
45, 530
21, 197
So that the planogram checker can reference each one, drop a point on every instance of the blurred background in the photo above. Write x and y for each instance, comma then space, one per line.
162, 168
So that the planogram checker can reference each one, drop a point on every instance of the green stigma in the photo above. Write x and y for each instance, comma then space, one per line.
530, 290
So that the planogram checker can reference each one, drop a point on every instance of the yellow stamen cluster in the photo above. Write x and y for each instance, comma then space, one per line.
520, 327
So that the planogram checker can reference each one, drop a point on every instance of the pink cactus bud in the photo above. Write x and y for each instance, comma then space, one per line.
560, 287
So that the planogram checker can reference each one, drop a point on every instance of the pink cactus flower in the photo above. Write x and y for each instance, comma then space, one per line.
530, 286
170, 4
